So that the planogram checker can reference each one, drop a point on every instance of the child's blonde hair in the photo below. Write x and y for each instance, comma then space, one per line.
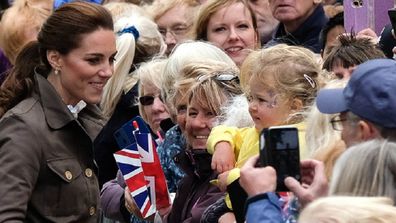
291, 71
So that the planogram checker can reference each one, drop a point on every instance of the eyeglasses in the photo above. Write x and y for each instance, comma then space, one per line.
148, 99
176, 31
336, 123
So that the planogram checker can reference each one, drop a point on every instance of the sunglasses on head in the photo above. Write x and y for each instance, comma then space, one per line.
148, 100
219, 77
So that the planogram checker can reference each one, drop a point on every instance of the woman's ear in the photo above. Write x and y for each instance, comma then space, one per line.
54, 59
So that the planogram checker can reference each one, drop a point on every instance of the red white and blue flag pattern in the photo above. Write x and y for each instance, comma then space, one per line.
141, 168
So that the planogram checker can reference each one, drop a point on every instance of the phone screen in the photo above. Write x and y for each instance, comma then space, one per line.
280, 149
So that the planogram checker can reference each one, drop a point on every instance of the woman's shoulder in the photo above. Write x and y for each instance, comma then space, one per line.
23, 110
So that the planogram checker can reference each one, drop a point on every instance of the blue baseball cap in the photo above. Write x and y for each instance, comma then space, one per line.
369, 94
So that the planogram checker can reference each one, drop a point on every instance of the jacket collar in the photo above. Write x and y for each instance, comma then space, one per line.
307, 34
55, 110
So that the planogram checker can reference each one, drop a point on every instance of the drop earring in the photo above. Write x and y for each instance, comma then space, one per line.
57, 72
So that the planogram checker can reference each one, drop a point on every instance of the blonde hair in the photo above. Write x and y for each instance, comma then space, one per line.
14, 26
130, 51
293, 72
366, 169
160, 7
124, 9
186, 53
322, 141
343, 209
191, 71
150, 73
235, 113
46, 5
131, 2
208, 91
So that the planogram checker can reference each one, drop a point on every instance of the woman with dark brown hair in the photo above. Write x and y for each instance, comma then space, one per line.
49, 118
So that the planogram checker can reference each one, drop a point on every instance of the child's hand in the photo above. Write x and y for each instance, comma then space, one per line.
223, 158
222, 181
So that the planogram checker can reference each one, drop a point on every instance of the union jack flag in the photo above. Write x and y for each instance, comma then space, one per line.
141, 168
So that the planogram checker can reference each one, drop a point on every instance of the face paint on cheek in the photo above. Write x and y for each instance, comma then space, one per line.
274, 99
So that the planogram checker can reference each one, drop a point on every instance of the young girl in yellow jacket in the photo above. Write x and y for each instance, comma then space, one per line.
281, 83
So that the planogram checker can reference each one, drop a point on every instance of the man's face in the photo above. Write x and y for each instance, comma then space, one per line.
266, 23
290, 10
350, 131
174, 26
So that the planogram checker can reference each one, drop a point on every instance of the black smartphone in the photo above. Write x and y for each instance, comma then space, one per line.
392, 17
279, 148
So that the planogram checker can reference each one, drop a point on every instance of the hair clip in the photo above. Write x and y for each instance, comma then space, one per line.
132, 30
310, 80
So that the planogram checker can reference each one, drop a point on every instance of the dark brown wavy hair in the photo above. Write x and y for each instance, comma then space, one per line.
62, 32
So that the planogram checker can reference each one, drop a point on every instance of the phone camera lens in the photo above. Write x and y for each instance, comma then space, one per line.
357, 3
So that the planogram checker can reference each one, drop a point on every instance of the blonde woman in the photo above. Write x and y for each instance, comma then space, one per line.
153, 111
215, 84
138, 40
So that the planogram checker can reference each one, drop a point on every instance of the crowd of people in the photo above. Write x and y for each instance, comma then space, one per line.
207, 77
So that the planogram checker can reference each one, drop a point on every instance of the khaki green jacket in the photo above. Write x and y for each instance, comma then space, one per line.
47, 172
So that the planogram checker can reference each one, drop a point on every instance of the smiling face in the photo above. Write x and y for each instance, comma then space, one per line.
231, 29
266, 107
199, 123
85, 70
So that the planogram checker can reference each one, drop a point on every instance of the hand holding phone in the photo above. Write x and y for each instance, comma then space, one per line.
279, 148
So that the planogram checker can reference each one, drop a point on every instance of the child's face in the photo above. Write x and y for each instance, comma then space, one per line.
266, 107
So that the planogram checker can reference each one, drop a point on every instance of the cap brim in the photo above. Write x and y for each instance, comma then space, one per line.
331, 101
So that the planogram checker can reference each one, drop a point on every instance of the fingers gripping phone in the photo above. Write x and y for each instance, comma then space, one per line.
279, 148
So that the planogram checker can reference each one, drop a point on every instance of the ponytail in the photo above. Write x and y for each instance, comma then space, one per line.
19, 82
